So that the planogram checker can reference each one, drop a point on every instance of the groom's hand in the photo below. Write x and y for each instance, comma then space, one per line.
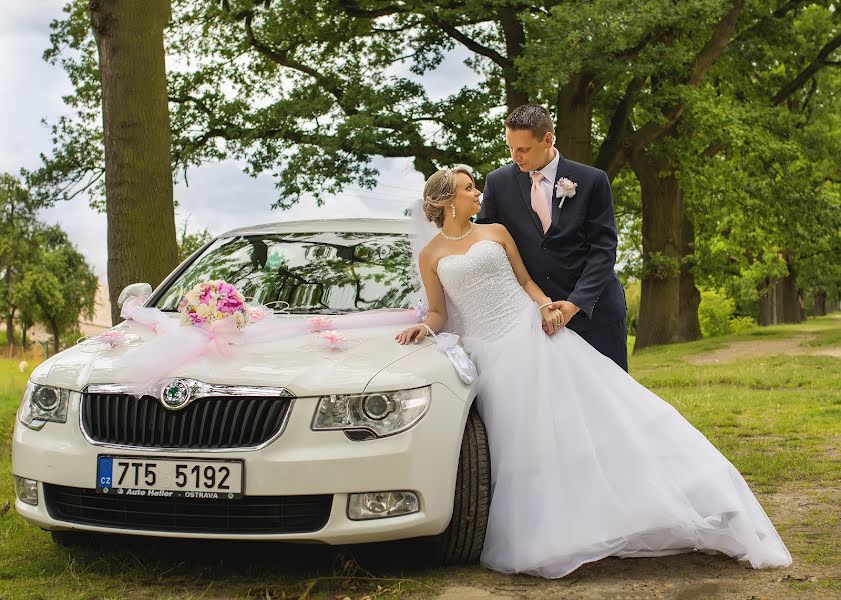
553, 320
568, 309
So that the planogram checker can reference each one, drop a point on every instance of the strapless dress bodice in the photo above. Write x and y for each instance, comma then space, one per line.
482, 286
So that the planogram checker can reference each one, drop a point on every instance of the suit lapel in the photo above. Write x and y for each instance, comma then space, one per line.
524, 183
562, 171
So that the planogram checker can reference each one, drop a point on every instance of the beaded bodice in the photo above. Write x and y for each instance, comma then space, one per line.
484, 289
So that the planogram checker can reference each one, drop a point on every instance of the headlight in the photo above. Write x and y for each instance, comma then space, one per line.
43, 403
382, 413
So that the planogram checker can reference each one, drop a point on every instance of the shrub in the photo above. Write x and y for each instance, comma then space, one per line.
716, 315
632, 300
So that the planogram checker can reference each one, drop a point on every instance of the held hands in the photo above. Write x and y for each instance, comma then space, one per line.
551, 323
553, 319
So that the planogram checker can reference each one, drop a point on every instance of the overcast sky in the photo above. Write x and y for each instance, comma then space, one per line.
219, 197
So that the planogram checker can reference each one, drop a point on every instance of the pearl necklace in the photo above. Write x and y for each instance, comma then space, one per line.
458, 237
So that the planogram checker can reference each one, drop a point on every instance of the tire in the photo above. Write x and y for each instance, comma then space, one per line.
461, 543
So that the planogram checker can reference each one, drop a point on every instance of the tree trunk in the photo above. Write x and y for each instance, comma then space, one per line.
790, 307
515, 41
573, 126
56, 335
10, 327
23, 341
669, 299
768, 303
690, 297
142, 244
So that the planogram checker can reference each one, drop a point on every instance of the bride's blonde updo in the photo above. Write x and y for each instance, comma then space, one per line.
439, 191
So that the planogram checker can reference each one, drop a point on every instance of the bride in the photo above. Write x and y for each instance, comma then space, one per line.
585, 462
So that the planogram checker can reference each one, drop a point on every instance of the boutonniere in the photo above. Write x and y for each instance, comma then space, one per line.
564, 189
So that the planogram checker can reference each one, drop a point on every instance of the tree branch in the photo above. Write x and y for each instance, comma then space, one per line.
704, 60
804, 75
470, 43
352, 9
416, 149
780, 13
282, 58
716, 45
610, 153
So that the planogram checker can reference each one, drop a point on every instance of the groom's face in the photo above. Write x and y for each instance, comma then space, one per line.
527, 151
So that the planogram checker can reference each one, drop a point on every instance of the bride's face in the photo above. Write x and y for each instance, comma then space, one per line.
466, 199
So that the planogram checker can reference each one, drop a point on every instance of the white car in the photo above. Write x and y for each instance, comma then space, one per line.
281, 441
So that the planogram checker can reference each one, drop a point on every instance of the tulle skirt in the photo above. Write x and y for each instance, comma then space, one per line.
587, 463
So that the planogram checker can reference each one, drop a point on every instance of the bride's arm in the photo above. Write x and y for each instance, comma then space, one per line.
435, 299
551, 316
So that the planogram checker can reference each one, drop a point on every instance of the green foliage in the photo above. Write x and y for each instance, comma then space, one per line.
70, 338
632, 301
43, 278
58, 286
767, 200
18, 244
661, 266
308, 91
717, 315
190, 242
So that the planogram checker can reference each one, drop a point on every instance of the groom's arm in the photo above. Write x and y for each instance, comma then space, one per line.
487, 214
600, 231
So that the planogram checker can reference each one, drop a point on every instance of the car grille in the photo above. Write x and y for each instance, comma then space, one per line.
249, 514
206, 423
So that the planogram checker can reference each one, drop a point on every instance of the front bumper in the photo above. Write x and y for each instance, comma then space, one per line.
423, 459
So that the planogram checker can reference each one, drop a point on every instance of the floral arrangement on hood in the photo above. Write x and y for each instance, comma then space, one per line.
211, 302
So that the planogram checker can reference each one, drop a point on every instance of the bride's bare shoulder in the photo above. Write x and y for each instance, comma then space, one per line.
494, 231
431, 252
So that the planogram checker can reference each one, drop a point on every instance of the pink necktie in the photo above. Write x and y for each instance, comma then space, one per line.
538, 200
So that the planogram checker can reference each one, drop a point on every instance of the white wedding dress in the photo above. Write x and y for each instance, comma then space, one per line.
586, 462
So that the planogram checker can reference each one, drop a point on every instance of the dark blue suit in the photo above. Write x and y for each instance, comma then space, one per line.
574, 260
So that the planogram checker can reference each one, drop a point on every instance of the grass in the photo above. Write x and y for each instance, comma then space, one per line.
777, 418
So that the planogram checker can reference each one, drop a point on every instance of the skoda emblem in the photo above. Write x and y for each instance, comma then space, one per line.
175, 395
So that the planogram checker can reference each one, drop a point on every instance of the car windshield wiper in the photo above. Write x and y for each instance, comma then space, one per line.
317, 310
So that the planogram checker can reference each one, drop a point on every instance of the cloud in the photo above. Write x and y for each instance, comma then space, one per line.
30, 88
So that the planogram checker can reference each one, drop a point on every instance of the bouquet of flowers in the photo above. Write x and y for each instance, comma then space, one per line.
213, 301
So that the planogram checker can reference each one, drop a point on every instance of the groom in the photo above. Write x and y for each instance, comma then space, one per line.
560, 214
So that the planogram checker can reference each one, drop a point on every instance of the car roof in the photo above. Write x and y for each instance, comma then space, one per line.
326, 226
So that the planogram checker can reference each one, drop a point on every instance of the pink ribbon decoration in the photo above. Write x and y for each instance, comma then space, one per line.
175, 346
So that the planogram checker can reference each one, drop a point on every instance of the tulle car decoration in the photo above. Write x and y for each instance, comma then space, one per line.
258, 393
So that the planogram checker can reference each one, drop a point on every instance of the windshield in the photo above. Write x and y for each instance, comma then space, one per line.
312, 272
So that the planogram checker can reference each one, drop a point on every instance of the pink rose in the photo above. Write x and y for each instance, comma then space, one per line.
334, 340
320, 323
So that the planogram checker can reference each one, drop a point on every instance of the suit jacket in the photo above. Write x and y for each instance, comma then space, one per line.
574, 260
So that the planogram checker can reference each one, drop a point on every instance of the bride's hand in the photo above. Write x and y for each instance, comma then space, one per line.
553, 319
416, 333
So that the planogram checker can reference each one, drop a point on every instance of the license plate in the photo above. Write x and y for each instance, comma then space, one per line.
169, 478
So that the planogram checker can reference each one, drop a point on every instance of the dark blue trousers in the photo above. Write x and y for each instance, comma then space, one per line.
612, 341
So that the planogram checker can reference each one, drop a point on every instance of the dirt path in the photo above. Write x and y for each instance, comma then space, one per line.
694, 576
792, 346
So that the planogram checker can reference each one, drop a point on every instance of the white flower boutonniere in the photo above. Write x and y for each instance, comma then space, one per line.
564, 189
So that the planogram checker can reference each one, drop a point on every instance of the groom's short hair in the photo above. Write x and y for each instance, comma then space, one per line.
533, 117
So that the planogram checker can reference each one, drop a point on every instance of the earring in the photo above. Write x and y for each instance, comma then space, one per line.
453, 206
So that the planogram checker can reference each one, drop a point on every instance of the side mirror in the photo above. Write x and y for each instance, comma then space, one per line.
134, 290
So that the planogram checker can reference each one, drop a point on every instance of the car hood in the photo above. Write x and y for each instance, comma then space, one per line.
302, 364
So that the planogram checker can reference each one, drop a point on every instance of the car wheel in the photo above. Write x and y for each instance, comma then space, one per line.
462, 541
72, 539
